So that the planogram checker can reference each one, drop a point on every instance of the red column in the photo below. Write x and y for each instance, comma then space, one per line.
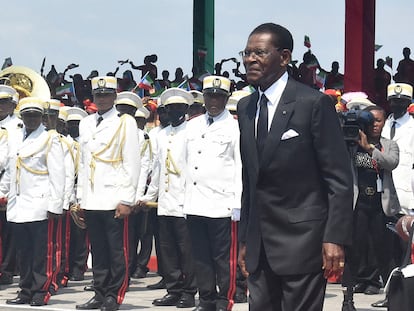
359, 46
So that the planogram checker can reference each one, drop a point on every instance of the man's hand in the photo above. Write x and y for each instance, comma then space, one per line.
333, 259
241, 260
122, 211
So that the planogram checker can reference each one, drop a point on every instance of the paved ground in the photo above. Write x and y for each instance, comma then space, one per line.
139, 298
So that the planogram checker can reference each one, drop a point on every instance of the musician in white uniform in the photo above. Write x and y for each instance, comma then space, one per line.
107, 182
34, 184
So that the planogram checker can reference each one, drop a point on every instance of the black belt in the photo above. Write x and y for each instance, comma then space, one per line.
368, 191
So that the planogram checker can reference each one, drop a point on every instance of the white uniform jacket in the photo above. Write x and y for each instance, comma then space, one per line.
10, 130
213, 178
404, 137
70, 158
109, 162
35, 177
167, 179
146, 163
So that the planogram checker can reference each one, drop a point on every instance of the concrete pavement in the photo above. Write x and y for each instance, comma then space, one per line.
140, 298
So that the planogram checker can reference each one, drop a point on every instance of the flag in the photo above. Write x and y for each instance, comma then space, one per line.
184, 85
388, 61
195, 86
307, 42
320, 78
157, 90
377, 47
66, 89
146, 83
313, 63
7, 63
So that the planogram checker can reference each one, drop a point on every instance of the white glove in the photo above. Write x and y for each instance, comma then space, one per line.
235, 214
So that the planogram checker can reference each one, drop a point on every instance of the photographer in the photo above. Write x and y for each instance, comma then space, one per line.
375, 199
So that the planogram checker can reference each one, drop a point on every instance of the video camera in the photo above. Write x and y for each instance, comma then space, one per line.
354, 120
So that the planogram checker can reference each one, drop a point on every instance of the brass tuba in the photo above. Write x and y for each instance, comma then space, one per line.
26, 81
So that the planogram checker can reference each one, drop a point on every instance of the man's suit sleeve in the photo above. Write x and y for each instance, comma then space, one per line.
333, 160
245, 197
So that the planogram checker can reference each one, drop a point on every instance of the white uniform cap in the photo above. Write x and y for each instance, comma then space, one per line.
7, 92
52, 104
176, 95
31, 104
63, 113
399, 90
76, 114
216, 84
128, 98
359, 103
142, 112
104, 85
198, 97
234, 99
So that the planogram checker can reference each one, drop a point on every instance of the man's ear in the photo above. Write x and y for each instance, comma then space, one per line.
285, 56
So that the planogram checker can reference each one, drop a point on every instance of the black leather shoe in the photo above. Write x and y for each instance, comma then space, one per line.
381, 303
359, 288
371, 290
240, 298
18, 301
89, 288
201, 308
92, 303
139, 273
167, 300
37, 303
186, 301
6, 279
77, 277
159, 285
110, 304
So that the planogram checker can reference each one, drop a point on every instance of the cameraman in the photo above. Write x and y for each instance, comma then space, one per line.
375, 199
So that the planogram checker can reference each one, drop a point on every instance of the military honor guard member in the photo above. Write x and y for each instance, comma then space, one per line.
167, 183
213, 196
34, 184
77, 245
107, 181
10, 125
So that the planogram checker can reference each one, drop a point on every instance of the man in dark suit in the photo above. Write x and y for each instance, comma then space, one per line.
297, 184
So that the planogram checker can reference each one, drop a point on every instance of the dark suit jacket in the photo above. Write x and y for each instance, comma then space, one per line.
299, 194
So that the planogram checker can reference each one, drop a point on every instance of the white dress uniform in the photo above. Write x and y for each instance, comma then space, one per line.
109, 170
108, 175
213, 168
34, 183
146, 155
167, 180
404, 137
34, 178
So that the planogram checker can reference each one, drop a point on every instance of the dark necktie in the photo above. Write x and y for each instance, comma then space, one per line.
262, 127
99, 121
210, 121
392, 132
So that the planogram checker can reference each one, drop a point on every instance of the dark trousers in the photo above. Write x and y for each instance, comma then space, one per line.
63, 274
8, 247
177, 258
140, 234
214, 242
35, 255
272, 292
109, 245
78, 249
371, 254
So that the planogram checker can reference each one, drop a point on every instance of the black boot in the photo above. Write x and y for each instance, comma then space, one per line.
348, 303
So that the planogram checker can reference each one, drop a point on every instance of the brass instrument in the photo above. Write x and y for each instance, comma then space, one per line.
25, 81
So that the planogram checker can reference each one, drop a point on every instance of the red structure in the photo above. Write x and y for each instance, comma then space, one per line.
359, 46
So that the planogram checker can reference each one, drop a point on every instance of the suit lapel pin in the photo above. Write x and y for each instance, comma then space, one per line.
284, 112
